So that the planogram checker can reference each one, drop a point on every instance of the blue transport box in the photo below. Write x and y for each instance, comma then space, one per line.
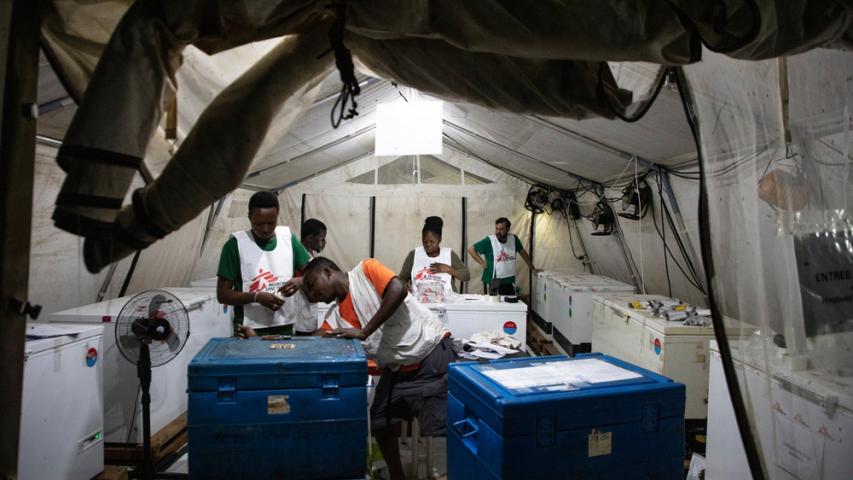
264, 409
588, 417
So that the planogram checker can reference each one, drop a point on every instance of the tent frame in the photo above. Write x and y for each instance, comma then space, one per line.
19, 57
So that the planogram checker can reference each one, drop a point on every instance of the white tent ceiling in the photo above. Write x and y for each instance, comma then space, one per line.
551, 151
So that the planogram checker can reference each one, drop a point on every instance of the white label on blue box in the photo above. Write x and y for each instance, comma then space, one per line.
278, 405
567, 372
599, 443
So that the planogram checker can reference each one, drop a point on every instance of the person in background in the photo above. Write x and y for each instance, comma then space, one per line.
407, 340
314, 235
431, 262
256, 268
499, 266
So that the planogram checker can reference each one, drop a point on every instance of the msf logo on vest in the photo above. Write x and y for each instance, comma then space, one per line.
263, 281
426, 274
504, 257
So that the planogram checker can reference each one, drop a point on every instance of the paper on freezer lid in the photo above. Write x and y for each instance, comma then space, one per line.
561, 375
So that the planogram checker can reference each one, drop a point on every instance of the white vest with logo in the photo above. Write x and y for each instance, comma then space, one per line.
404, 339
265, 272
421, 270
504, 256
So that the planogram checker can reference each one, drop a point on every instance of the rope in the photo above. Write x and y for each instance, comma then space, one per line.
344, 64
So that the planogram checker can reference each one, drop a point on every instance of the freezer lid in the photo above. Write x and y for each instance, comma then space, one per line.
823, 387
586, 388
107, 311
57, 335
478, 303
209, 282
595, 283
299, 362
665, 327
191, 296
619, 302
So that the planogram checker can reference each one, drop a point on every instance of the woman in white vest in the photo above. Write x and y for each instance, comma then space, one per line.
431, 262
256, 269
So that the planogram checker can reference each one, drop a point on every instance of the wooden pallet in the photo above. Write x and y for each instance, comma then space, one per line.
538, 343
112, 472
164, 443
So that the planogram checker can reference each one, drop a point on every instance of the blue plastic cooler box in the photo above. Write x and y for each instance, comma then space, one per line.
588, 417
264, 409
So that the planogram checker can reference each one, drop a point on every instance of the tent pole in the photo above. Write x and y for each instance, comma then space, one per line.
571, 221
19, 56
106, 283
623, 247
302, 215
464, 238
211, 220
372, 227
531, 240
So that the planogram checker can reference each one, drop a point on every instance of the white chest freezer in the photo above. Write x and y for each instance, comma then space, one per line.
572, 305
209, 282
543, 282
62, 410
123, 412
804, 418
473, 314
672, 349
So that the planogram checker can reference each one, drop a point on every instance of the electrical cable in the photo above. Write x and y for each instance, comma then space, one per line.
663, 236
571, 241
683, 249
640, 225
620, 110
689, 276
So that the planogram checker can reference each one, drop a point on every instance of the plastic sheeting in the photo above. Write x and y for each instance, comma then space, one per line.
780, 233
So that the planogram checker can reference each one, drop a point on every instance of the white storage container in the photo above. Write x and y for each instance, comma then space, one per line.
572, 307
62, 409
548, 285
804, 419
672, 349
473, 314
205, 283
122, 412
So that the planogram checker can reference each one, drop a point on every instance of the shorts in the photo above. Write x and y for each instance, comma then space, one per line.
502, 289
420, 393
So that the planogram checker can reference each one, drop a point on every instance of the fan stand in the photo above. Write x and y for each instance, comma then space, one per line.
145, 470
